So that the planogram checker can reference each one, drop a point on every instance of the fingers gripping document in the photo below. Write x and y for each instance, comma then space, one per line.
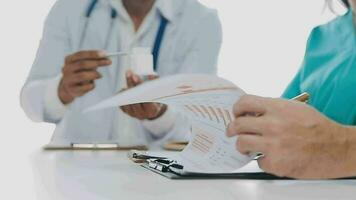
207, 101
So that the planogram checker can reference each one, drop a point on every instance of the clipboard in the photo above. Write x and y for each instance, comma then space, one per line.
92, 147
190, 176
175, 172
166, 169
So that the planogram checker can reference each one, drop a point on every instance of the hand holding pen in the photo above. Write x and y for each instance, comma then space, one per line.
79, 73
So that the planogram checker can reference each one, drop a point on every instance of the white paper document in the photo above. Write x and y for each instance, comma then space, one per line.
207, 101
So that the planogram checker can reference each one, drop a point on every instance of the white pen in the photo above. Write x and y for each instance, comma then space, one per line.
114, 54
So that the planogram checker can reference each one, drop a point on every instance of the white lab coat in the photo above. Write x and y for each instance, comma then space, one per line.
191, 45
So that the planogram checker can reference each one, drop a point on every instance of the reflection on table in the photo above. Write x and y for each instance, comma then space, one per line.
103, 175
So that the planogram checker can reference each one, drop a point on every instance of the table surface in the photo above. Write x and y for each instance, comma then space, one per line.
105, 175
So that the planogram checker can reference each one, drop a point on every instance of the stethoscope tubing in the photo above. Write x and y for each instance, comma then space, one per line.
113, 15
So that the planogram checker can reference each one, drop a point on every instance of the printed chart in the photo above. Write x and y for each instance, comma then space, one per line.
207, 101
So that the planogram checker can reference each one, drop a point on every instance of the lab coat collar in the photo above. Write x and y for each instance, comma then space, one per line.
169, 9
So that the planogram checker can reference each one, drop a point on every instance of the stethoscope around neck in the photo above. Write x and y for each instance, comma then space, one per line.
113, 15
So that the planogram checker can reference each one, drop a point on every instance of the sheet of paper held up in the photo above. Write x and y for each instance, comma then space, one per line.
208, 101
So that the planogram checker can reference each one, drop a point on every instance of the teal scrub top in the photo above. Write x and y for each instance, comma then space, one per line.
328, 72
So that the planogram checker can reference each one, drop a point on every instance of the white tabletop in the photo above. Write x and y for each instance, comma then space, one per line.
110, 175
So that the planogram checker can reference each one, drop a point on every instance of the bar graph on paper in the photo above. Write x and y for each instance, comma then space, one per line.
207, 101
212, 106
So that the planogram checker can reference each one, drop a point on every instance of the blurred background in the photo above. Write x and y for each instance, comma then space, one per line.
263, 47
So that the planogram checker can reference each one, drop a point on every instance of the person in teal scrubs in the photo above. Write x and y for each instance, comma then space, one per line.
328, 73
316, 141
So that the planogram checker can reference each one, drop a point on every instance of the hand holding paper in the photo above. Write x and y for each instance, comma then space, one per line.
207, 100
142, 111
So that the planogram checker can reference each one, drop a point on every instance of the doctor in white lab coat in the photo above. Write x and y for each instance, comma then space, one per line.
75, 39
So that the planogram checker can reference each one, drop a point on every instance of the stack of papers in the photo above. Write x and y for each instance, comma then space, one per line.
208, 101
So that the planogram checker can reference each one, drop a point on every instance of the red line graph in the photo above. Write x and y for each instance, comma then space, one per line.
192, 91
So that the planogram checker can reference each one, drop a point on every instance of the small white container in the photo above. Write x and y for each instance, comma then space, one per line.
141, 61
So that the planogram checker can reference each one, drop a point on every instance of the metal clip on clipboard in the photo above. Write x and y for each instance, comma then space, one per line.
164, 165
141, 156
91, 146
